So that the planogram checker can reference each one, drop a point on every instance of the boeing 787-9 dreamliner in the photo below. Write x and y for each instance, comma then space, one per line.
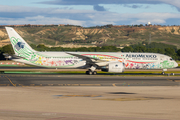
115, 62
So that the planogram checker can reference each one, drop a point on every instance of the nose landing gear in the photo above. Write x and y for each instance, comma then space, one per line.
163, 72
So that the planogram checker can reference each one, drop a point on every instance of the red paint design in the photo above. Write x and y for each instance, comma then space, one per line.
52, 62
127, 64
139, 62
103, 55
131, 65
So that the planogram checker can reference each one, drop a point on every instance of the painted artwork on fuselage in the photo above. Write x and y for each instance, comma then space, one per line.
52, 61
129, 64
131, 60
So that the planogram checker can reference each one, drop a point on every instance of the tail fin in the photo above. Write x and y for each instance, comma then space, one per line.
18, 43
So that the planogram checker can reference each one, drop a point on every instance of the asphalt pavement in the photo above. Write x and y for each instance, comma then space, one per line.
84, 80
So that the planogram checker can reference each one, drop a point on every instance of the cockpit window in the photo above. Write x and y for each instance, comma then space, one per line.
171, 59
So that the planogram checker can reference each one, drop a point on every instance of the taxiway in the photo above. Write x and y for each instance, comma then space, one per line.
84, 80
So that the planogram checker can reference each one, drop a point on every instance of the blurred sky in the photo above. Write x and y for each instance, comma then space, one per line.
90, 12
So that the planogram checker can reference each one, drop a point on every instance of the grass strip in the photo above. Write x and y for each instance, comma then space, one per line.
9, 65
25, 72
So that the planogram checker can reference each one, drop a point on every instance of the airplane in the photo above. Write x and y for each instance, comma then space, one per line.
115, 62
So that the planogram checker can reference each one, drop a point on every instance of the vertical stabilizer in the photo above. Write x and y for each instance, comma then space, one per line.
21, 48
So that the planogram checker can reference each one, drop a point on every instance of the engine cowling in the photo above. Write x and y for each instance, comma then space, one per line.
115, 67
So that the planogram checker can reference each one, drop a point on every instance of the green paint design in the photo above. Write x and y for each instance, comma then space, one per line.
166, 64
34, 58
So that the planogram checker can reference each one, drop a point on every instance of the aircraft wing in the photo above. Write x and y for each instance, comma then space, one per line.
89, 59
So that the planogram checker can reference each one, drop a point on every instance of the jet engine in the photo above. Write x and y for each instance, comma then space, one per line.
115, 67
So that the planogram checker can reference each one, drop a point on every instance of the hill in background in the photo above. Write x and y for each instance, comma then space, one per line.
76, 36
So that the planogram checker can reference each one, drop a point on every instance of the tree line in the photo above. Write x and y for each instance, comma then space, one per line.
153, 47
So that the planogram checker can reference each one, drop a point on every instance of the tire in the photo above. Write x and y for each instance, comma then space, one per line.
94, 73
90, 72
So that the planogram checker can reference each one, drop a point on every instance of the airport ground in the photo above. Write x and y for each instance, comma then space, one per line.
84, 97
60, 94
90, 103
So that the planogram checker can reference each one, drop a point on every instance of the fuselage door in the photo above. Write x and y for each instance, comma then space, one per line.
161, 59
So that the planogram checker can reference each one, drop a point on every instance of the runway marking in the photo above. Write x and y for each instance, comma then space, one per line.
26, 85
3, 84
11, 81
124, 83
173, 80
72, 84
60, 84
50, 84
114, 84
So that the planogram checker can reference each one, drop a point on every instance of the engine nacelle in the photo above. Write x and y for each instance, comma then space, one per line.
115, 67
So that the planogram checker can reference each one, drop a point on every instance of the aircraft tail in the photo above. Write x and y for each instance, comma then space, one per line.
20, 47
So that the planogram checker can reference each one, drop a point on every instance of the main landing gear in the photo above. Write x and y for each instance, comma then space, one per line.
91, 71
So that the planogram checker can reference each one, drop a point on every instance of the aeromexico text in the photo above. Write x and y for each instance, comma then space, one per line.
141, 56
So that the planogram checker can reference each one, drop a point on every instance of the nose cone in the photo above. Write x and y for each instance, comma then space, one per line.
176, 64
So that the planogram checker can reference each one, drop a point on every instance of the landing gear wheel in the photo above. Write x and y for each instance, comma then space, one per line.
94, 73
90, 72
